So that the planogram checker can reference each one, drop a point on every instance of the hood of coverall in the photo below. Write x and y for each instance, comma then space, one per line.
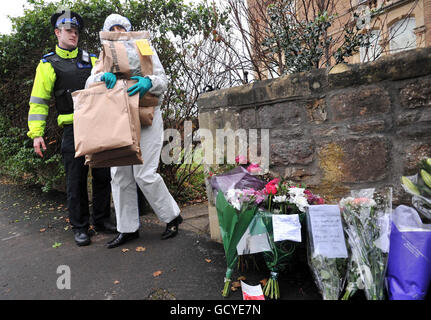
116, 20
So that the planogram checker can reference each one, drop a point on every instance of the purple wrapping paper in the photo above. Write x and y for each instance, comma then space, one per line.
409, 264
238, 178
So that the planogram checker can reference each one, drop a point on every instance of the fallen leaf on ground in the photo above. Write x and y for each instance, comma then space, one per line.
236, 284
241, 278
157, 273
116, 282
140, 249
208, 260
42, 230
56, 245
233, 288
125, 250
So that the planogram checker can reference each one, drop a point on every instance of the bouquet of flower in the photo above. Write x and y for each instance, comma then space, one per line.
327, 249
354, 280
282, 198
419, 186
330, 273
233, 223
367, 227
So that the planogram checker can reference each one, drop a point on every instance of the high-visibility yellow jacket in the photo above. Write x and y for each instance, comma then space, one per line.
42, 92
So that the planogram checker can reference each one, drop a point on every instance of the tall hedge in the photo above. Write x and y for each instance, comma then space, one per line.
33, 36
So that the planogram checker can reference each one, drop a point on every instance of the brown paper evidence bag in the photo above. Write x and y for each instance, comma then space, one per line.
106, 125
128, 54
107, 122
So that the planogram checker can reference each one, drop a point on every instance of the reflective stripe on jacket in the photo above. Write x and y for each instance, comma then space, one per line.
42, 92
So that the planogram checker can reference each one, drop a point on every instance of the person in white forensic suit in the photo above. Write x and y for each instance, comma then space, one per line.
126, 179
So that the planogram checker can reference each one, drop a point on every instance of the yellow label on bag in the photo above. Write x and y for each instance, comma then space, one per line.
144, 47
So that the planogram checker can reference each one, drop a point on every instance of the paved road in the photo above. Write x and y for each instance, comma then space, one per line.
192, 266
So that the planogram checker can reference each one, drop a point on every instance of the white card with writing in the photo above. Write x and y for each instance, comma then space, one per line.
327, 231
286, 227
251, 292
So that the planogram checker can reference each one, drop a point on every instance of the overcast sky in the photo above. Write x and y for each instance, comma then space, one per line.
14, 8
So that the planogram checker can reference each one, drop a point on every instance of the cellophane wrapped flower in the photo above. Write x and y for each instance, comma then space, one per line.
330, 274
282, 198
354, 280
367, 228
233, 223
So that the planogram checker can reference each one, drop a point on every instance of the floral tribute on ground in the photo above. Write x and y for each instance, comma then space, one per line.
357, 244
246, 206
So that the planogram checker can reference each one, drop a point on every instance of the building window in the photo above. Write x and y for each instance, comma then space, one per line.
402, 36
374, 50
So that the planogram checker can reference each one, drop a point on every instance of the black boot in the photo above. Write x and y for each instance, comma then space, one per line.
122, 238
172, 228
82, 238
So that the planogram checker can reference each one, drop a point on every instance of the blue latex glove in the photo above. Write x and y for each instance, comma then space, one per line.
110, 79
142, 86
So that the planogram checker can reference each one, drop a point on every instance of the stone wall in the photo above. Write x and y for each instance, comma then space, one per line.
351, 127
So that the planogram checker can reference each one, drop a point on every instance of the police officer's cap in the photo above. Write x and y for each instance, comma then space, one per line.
67, 18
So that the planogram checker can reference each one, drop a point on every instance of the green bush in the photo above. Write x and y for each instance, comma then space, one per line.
22, 165
33, 36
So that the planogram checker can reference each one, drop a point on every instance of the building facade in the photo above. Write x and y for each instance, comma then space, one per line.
393, 26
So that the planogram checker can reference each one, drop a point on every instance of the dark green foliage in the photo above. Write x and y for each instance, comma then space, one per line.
33, 36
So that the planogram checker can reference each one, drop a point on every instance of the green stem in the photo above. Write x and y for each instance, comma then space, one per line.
226, 289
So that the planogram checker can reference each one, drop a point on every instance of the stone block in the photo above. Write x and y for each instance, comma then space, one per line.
416, 94
316, 111
324, 131
354, 160
414, 153
291, 152
280, 115
293, 131
248, 118
417, 130
364, 128
365, 101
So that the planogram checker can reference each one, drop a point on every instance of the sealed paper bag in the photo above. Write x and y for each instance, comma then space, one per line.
101, 119
126, 53
129, 54
128, 155
146, 116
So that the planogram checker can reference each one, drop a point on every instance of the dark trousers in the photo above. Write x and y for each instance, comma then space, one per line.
76, 186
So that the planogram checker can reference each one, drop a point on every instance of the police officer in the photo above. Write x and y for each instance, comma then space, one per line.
60, 73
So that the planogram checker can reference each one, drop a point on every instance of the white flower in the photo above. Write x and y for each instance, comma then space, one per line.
345, 201
232, 196
280, 199
300, 202
294, 192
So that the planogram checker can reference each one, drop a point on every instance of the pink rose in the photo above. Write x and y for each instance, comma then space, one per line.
241, 159
274, 181
254, 168
271, 188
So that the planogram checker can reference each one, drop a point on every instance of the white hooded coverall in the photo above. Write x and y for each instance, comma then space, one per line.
125, 178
